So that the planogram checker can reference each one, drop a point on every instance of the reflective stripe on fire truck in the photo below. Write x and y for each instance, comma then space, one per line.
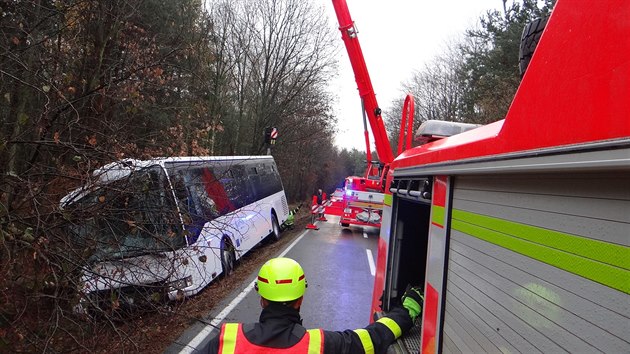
366, 340
602, 262
388, 199
437, 215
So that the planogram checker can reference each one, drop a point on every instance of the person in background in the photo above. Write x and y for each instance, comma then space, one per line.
320, 203
281, 284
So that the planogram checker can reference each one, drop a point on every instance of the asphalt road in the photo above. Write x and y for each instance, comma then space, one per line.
339, 267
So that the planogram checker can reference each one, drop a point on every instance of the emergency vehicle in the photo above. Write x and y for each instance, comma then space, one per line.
520, 230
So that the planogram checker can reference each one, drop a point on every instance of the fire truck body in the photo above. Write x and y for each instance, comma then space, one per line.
523, 242
362, 206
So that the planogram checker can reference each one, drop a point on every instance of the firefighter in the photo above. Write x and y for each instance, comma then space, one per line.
290, 221
281, 284
320, 204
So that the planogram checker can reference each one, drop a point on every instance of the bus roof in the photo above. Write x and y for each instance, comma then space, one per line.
122, 168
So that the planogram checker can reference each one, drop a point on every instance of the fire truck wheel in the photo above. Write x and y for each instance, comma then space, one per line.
228, 258
529, 40
275, 228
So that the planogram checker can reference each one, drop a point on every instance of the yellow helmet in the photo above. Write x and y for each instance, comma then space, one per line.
281, 280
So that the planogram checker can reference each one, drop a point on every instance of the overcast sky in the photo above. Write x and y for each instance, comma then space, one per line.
396, 36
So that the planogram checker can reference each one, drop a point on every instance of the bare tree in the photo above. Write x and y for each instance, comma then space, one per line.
291, 55
276, 58
437, 91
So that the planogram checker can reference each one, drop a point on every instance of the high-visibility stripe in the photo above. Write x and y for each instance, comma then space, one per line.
437, 215
315, 341
230, 334
228, 338
366, 340
602, 262
388, 199
392, 325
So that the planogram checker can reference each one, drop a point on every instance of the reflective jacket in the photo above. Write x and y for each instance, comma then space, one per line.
280, 327
233, 340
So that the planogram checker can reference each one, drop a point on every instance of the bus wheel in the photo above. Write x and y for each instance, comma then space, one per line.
275, 228
227, 257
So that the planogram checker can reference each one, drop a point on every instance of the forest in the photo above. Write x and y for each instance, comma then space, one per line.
87, 82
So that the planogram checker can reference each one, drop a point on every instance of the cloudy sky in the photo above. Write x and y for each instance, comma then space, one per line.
396, 36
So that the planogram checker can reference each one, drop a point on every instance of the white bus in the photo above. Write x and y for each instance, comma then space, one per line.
145, 231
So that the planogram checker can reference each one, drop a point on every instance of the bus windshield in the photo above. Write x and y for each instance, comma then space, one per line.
128, 217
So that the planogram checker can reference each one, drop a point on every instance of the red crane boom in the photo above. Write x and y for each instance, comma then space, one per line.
362, 200
364, 84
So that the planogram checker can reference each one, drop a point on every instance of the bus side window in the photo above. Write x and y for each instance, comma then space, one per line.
216, 200
254, 183
171, 218
270, 180
238, 191
193, 222
181, 195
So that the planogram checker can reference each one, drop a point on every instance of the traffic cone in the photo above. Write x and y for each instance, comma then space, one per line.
314, 208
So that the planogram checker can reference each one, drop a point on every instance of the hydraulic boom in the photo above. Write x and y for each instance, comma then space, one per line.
364, 84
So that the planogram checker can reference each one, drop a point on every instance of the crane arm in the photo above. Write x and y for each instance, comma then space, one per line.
364, 84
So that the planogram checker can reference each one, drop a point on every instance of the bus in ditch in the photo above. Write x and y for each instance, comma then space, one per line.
145, 231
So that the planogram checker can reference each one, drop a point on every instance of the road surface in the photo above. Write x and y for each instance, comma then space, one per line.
339, 268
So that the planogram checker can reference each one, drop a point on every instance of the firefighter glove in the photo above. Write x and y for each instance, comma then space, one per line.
413, 300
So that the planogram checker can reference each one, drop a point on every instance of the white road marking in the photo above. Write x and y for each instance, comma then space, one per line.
205, 332
371, 262
365, 235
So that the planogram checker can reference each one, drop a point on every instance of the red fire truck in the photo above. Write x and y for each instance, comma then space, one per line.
520, 230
